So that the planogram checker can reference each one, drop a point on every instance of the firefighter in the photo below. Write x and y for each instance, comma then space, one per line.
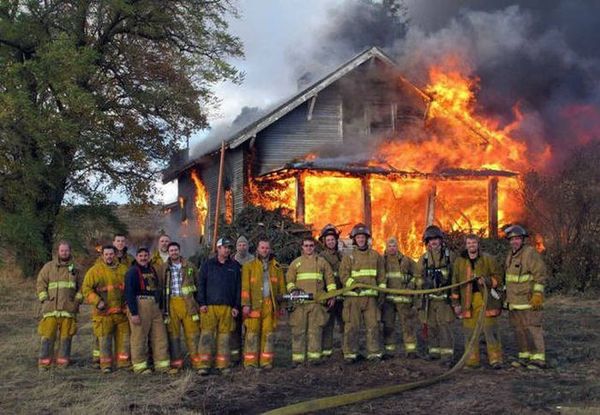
399, 270
58, 289
433, 270
177, 278
142, 293
365, 266
103, 288
329, 237
242, 253
467, 300
525, 277
161, 255
219, 286
310, 274
242, 256
120, 243
121, 257
262, 282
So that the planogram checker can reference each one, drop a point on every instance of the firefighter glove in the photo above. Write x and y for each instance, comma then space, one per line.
537, 300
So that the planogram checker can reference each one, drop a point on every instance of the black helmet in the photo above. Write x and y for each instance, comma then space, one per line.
360, 229
329, 229
515, 230
432, 232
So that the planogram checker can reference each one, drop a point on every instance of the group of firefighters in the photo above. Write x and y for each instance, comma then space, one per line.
144, 305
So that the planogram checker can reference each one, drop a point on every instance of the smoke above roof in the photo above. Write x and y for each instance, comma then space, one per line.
537, 55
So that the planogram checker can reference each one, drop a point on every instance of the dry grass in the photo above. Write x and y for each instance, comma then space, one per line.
572, 386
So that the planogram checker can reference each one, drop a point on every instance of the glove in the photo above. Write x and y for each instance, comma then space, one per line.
537, 300
167, 320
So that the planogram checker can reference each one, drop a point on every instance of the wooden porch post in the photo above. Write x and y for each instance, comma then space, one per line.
493, 207
300, 200
430, 208
366, 190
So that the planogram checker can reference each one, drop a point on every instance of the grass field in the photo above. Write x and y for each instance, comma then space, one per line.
571, 386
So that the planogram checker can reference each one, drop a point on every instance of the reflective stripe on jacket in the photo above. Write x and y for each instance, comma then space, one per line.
311, 274
365, 267
252, 283
525, 274
58, 287
107, 283
399, 275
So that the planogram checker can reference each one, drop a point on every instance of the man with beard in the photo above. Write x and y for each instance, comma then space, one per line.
103, 288
467, 300
58, 289
262, 282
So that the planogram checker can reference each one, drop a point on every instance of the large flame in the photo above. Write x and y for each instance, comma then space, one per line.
454, 137
201, 202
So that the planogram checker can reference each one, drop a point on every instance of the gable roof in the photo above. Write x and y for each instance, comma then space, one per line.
252, 129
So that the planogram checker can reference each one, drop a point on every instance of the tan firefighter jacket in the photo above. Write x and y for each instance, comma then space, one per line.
485, 267
435, 261
525, 274
59, 289
399, 275
252, 284
333, 258
312, 274
107, 283
365, 267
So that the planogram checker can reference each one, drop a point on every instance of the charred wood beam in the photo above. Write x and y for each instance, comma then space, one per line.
430, 208
366, 191
349, 170
493, 207
300, 198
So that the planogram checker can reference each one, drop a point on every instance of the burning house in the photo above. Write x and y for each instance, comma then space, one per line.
362, 144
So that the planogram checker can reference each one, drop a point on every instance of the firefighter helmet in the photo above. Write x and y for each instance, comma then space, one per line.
329, 229
515, 230
432, 232
360, 229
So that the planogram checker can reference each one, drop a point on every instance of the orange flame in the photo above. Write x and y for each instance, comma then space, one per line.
201, 202
454, 137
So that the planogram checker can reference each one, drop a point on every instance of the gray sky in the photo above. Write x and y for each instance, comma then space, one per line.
273, 32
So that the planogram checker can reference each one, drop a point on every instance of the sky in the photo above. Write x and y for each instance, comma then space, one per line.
274, 34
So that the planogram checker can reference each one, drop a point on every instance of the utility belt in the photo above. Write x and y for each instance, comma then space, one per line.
146, 297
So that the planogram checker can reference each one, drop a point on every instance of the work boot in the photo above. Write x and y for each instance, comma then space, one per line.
224, 371
518, 363
350, 360
536, 365
411, 355
107, 370
204, 372
496, 365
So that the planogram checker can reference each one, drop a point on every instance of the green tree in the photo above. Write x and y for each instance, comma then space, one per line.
95, 97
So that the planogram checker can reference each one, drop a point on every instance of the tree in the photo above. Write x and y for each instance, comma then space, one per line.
565, 209
95, 97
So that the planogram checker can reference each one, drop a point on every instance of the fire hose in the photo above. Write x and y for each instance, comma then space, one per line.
368, 394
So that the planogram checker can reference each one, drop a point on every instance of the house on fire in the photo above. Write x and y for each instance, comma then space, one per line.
321, 132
